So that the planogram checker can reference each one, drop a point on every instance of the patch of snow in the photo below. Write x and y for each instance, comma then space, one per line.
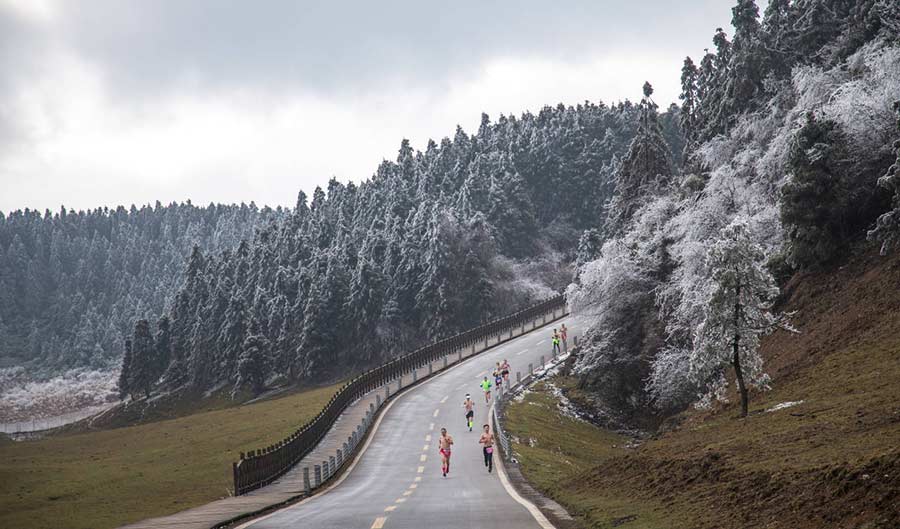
783, 405
23, 400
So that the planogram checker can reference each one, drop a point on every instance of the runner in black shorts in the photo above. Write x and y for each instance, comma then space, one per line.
469, 405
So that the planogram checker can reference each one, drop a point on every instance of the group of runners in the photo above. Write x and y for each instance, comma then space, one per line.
560, 337
500, 375
445, 442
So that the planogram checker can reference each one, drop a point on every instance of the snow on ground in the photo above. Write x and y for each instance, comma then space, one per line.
783, 405
25, 402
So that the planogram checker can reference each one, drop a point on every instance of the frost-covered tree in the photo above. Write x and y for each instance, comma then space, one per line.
887, 226
589, 245
690, 99
645, 171
817, 199
126, 374
253, 361
163, 346
143, 359
737, 313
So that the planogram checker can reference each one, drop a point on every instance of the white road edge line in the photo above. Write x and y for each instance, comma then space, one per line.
371, 436
504, 479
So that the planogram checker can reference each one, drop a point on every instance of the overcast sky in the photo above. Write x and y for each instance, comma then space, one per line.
120, 102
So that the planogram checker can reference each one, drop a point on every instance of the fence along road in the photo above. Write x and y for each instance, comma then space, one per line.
274, 482
397, 483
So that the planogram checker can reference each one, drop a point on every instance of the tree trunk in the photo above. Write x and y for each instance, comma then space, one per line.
736, 360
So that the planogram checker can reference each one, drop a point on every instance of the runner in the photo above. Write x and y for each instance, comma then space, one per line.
504, 370
444, 444
555, 342
498, 381
486, 386
564, 333
469, 405
487, 439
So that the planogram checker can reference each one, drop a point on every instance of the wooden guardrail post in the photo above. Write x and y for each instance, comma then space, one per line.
340, 456
331, 466
307, 488
542, 362
317, 471
530, 369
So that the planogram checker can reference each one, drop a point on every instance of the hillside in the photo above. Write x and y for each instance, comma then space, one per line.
829, 460
73, 282
103, 479
434, 242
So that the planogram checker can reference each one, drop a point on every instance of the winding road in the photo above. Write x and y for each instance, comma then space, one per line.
396, 481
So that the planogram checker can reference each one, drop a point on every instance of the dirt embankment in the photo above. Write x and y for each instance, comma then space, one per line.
831, 458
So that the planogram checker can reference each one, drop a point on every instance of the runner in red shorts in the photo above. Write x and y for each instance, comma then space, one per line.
444, 444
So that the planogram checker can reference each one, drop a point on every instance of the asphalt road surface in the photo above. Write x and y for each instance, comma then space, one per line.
397, 482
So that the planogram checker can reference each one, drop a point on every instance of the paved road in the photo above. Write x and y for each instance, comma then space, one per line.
397, 483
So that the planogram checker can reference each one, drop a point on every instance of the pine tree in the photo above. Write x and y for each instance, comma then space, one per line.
163, 346
126, 374
645, 171
689, 103
143, 359
737, 313
816, 202
589, 246
253, 361
887, 226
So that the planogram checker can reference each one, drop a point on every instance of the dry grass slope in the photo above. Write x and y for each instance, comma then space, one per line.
832, 461
107, 478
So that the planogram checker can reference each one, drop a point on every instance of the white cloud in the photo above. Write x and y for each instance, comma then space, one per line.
82, 138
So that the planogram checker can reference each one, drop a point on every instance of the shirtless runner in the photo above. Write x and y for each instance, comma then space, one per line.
444, 444
487, 439
469, 405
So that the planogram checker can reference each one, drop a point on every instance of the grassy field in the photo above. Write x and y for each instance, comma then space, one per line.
831, 461
555, 451
107, 478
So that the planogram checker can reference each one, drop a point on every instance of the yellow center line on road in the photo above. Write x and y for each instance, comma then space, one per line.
431, 426
379, 522
420, 470
400, 500
390, 508
436, 413
443, 400
423, 457
413, 486
418, 478
407, 492
428, 438
425, 448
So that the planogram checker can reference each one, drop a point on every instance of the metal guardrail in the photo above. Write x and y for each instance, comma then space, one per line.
499, 404
260, 467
